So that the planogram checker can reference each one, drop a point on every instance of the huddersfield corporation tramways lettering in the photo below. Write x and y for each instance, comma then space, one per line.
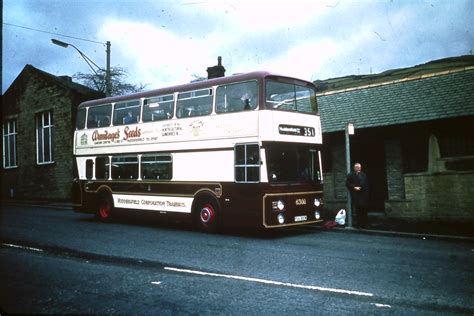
150, 202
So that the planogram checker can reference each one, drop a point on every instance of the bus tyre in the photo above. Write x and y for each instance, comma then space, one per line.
207, 216
106, 206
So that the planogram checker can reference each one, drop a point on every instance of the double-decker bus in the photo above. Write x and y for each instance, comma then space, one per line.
243, 149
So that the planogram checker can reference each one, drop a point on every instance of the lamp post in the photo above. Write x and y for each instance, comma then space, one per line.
349, 131
90, 62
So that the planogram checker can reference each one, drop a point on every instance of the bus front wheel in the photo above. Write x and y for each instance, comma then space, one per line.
106, 206
207, 216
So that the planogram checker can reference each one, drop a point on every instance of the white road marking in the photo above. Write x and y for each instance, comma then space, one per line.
22, 247
256, 280
242, 278
382, 305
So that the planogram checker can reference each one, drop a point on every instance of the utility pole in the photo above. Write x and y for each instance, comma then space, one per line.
349, 131
108, 80
91, 63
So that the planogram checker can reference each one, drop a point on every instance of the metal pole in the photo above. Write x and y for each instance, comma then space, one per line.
348, 169
90, 62
108, 83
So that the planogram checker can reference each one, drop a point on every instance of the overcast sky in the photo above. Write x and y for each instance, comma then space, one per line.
163, 43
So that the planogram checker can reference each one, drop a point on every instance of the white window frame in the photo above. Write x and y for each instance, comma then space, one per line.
9, 159
40, 132
246, 165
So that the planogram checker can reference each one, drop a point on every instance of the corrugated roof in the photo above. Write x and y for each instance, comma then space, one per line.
435, 96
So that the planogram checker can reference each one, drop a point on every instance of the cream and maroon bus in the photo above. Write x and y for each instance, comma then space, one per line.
243, 149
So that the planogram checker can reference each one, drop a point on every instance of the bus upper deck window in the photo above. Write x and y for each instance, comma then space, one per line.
158, 108
237, 97
290, 97
127, 112
81, 119
99, 116
194, 103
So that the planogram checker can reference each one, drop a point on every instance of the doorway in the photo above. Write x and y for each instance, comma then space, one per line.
370, 152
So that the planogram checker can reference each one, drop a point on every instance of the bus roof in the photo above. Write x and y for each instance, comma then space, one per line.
193, 86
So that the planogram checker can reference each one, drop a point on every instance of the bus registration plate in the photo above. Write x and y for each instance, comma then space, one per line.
301, 218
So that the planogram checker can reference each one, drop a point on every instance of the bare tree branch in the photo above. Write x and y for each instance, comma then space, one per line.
117, 77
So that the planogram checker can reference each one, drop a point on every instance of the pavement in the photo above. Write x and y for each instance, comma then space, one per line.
378, 224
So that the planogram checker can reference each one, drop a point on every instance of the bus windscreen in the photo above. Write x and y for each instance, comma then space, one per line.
292, 163
290, 97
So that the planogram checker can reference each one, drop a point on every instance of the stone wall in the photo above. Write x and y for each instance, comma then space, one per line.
335, 192
447, 195
30, 180
394, 169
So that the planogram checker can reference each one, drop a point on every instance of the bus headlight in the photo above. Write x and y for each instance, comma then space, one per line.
317, 215
280, 205
317, 202
281, 218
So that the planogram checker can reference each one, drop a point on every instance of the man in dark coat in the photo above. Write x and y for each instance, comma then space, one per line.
358, 186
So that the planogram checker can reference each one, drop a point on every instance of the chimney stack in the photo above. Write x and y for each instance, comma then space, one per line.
66, 79
216, 71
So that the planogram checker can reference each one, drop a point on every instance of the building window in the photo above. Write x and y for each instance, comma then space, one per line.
44, 138
9, 144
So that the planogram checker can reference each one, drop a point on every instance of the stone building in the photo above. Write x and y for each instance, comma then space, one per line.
38, 115
413, 135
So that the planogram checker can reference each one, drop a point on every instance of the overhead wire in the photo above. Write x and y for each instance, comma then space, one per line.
52, 33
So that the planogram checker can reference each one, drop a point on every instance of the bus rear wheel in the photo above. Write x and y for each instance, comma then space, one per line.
106, 206
207, 216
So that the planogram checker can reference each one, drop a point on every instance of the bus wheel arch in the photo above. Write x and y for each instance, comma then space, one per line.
105, 205
206, 212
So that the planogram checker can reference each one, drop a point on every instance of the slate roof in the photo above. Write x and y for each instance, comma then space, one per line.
435, 96
56, 80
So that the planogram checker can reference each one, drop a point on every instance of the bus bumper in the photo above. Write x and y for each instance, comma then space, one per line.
288, 209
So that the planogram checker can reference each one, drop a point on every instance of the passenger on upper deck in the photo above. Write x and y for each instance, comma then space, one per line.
129, 119
246, 99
